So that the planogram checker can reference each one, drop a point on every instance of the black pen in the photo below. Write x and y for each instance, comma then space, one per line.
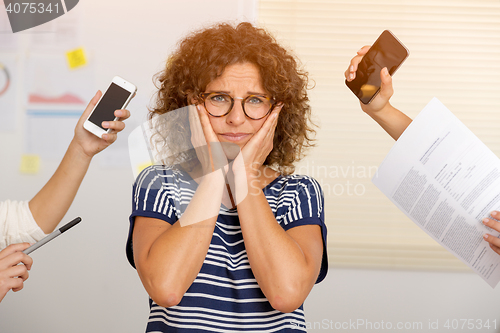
51, 236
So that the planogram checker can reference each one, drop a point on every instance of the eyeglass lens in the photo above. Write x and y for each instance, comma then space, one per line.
255, 106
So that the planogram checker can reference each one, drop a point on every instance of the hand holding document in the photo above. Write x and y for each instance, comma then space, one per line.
446, 181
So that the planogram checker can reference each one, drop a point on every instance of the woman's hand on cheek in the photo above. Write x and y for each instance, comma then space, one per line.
204, 140
256, 150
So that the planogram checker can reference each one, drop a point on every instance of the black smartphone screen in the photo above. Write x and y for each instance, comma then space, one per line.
114, 98
387, 51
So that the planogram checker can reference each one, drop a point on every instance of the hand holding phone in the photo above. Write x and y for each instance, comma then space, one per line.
117, 96
387, 51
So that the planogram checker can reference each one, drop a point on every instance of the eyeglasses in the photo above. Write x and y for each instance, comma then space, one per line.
255, 107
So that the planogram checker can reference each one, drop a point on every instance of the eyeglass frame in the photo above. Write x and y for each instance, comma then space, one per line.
204, 96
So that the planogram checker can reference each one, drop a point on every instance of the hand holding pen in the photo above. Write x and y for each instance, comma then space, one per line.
13, 275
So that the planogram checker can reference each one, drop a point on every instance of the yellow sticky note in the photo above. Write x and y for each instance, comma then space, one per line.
30, 164
76, 58
143, 166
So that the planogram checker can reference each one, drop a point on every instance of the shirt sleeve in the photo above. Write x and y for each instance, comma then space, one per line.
302, 203
17, 224
156, 194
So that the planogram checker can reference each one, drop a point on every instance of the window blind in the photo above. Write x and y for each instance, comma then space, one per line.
454, 56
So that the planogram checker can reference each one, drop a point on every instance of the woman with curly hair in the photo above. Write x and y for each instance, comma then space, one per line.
244, 259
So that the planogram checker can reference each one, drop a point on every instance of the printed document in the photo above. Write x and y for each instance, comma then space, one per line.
446, 181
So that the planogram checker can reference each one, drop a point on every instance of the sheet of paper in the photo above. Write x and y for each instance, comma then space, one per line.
446, 181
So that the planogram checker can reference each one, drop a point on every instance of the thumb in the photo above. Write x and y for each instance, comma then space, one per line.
386, 89
90, 106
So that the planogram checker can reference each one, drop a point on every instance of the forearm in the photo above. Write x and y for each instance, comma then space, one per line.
52, 202
279, 265
393, 121
175, 257
174, 261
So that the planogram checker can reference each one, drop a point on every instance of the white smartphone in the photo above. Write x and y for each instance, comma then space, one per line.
116, 97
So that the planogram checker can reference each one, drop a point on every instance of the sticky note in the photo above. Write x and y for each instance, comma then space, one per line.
30, 164
143, 166
76, 58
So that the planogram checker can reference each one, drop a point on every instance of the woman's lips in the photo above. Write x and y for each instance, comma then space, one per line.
234, 136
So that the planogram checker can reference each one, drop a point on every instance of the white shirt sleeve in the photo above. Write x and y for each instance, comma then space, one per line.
17, 224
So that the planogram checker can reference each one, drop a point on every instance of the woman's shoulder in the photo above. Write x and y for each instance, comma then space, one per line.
297, 180
297, 184
159, 174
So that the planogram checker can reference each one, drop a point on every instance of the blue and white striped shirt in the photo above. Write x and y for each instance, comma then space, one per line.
225, 296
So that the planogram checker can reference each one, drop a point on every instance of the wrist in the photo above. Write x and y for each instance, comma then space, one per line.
76, 151
393, 121
378, 113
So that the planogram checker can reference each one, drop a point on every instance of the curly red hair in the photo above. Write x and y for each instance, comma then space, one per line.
203, 55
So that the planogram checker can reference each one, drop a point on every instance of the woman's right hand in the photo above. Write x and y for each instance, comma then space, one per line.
204, 140
209, 150
13, 275
386, 90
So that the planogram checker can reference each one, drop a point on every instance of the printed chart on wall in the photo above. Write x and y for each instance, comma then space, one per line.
8, 75
56, 96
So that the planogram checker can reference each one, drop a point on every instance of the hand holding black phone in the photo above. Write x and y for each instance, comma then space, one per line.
387, 51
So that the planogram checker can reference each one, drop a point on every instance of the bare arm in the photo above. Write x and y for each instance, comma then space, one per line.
285, 264
393, 121
52, 202
169, 257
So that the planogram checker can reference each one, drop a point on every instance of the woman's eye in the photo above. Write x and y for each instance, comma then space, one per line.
255, 100
219, 98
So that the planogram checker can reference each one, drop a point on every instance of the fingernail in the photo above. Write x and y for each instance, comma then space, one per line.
105, 124
359, 50
485, 236
352, 68
118, 113
198, 107
386, 72
351, 76
493, 213
485, 221
104, 136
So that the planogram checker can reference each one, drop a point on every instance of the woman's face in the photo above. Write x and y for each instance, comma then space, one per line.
238, 80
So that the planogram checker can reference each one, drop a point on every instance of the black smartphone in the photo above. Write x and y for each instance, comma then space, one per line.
387, 51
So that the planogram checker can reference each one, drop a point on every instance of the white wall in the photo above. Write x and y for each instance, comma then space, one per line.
352, 300
82, 282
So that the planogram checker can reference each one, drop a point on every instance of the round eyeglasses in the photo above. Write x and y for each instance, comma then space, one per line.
255, 107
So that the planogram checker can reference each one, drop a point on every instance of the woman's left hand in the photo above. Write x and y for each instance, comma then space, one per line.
256, 150
91, 144
495, 225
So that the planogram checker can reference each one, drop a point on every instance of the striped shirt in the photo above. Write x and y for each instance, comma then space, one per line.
225, 296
